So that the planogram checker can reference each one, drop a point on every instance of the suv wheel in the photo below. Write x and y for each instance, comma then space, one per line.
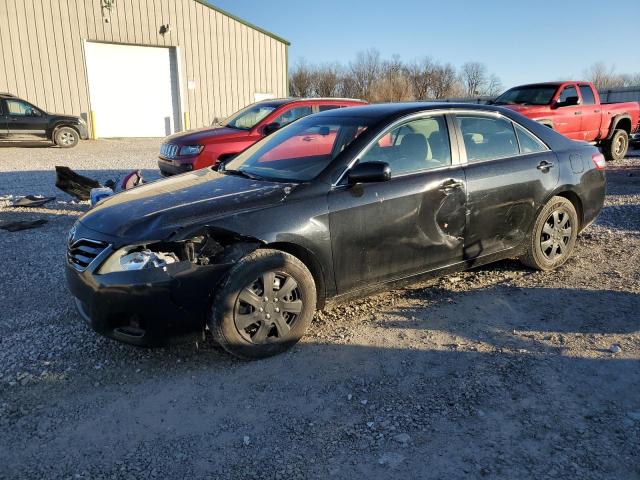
553, 237
66, 137
616, 148
264, 305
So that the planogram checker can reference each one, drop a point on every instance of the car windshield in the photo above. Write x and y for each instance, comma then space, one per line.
300, 151
531, 95
247, 118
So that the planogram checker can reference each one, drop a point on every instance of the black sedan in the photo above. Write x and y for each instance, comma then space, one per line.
333, 206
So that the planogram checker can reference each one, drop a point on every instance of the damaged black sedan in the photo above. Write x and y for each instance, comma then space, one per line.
335, 205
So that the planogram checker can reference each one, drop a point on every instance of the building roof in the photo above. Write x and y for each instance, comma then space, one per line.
244, 22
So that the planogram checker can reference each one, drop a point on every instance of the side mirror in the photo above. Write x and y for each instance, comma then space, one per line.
269, 128
568, 102
370, 172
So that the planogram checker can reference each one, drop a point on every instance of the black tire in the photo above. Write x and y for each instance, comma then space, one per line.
553, 236
66, 137
617, 147
247, 320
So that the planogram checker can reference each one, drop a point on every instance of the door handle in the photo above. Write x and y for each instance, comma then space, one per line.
448, 186
544, 166
596, 111
577, 113
307, 139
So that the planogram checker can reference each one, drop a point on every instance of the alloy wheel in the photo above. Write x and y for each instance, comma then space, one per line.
619, 146
66, 138
556, 235
267, 309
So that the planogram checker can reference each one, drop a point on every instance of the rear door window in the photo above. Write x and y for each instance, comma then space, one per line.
587, 95
529, 143
487, 138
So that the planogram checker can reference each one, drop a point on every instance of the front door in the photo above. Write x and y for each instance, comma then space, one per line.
567, 120
509, 174
408, 225
25, 119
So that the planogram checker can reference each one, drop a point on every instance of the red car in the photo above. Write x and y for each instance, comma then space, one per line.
574, 110
187, 151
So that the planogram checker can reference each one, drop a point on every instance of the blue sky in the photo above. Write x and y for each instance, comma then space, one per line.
520, 41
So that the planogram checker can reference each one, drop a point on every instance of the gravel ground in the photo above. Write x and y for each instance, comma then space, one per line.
500, 372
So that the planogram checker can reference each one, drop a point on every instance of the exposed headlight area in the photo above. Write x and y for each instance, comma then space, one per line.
190, 150
133, 258
200, 250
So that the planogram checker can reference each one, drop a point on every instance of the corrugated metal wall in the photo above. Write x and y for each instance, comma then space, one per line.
223, 62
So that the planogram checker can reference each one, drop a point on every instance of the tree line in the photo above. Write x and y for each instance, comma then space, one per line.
374, 79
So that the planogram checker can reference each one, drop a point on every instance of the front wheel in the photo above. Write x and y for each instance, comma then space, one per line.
616, 148
553, 237
66, 137
264, 305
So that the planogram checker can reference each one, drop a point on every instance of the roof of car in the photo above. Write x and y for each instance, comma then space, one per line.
7, 95
277, 102
384, 110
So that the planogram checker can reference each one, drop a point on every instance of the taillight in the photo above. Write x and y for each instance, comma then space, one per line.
599, 161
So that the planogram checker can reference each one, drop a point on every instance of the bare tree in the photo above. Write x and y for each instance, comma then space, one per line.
420, 75
393, 85
603, 76
301, 80
445, 83
364, 70
326, 80
473, 75
348, 87
493, 87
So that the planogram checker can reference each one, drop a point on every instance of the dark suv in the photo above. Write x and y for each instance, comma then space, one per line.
20, 119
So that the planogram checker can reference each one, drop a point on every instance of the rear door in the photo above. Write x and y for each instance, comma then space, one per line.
509, 174
591, 114
410, 224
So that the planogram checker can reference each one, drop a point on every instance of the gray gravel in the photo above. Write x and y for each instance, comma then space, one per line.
496, 373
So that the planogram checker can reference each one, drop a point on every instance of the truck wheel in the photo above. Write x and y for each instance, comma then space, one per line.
553, 237
617, 147
66, 137
264, 305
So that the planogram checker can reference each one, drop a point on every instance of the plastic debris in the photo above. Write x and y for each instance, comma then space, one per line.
32, 201
98, 194
23, 225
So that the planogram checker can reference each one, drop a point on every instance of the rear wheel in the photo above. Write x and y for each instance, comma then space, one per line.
553, 237
264, 305
66, 137
616, 148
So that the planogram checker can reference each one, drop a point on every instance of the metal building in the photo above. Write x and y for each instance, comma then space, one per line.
137, 67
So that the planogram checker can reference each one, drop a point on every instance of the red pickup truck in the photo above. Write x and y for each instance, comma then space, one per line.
574, 110
187, 151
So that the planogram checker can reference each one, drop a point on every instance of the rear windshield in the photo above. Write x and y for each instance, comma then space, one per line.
300, 151
529, 95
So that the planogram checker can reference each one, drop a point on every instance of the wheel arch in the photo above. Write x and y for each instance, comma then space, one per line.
573, 197
307, 257
620, 122
63, 125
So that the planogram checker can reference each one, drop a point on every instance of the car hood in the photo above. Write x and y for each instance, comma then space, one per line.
205, 135
156, 210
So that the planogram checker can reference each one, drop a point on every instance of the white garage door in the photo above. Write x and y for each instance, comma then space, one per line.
132, 90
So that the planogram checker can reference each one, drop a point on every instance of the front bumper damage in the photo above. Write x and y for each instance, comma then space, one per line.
145, 307
152, 306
